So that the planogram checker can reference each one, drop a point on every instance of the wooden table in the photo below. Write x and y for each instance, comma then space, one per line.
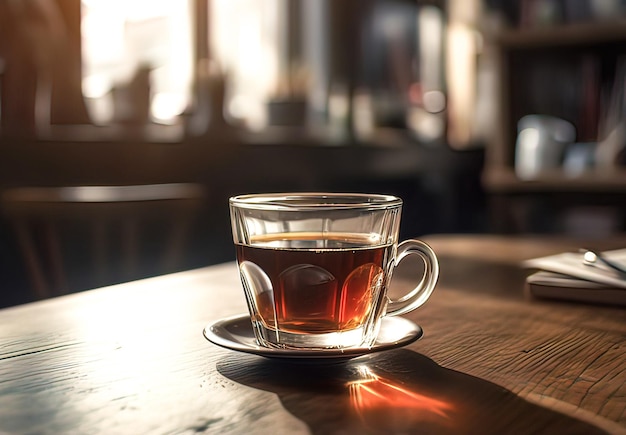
132, 359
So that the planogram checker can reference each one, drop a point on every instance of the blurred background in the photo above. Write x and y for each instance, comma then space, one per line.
126, 125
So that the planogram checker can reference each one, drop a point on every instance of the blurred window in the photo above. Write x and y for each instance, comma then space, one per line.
247, 42
270, 51
121, 38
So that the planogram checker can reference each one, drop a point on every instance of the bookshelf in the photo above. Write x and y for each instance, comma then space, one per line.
580, 63
571, 71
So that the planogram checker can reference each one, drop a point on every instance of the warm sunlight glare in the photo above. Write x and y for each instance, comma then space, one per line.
375, 398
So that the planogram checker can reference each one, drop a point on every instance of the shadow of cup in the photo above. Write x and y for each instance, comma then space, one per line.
398, 391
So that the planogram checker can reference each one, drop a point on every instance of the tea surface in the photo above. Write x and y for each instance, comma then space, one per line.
310, 283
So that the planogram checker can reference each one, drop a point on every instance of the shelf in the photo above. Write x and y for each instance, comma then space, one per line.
505, 181
579, 34
115, 133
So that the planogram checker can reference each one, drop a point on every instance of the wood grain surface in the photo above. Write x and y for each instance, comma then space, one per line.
132, 359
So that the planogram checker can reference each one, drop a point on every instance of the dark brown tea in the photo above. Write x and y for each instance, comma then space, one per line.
302, 283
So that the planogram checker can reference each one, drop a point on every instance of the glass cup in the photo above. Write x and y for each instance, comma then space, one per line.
316, 267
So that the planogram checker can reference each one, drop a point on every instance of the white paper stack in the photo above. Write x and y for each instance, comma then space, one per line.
566, 276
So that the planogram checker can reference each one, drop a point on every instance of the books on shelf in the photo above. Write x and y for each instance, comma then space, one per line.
565, 276
541, 13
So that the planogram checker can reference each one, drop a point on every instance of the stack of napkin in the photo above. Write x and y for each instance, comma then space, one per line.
566, 276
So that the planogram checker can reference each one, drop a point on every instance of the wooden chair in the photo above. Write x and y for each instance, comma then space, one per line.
80, 237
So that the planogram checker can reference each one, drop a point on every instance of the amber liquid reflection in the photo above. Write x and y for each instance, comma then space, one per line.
380, 402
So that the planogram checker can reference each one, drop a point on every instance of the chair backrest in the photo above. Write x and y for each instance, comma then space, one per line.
81, 237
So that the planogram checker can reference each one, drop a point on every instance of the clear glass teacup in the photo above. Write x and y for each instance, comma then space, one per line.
316, 267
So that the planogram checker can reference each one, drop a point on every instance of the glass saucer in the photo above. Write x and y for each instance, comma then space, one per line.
236, 333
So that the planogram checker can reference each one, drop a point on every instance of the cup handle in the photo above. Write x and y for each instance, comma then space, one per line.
420, 294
